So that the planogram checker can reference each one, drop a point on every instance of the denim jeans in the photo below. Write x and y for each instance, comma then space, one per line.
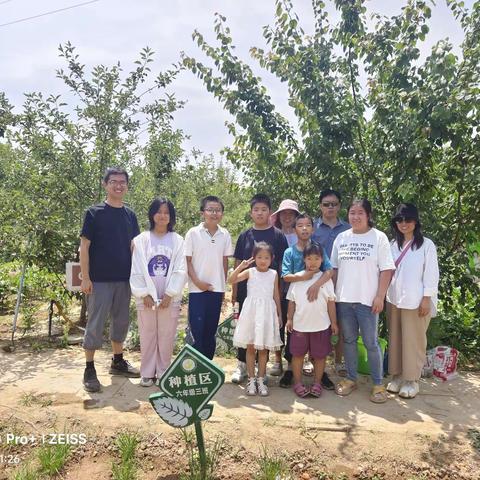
352, 317
203, 315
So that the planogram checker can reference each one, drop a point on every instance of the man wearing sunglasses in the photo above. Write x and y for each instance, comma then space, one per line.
326, 228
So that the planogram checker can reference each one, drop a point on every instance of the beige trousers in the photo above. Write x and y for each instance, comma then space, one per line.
407, 342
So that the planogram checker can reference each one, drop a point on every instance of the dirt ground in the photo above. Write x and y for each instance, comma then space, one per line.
326, 438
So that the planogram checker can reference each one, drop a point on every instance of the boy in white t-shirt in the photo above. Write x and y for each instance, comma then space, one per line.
310, 323
207, 248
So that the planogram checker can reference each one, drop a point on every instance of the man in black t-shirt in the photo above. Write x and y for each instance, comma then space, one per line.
105, 262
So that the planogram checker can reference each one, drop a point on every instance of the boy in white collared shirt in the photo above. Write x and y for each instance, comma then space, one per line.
207, 248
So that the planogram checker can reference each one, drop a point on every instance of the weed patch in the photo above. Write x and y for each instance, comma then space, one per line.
29, 399
212, 455
272, 467
474, 436
52, 458
127, 468
25, 472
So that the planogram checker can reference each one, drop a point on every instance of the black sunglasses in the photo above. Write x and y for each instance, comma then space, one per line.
329, 204
401, 218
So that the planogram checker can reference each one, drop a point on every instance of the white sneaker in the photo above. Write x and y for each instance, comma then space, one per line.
261, 387
395, 384
251, 387
409, 390
146, 382
257, 375
276, 369
308, 368
240, 373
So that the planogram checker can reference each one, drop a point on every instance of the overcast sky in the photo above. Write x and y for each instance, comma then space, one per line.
108, 31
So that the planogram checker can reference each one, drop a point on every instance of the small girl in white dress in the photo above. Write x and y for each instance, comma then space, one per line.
258, 325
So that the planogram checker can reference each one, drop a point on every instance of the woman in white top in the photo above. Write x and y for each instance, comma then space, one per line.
363, 267
412, 300
158, 275
284, 219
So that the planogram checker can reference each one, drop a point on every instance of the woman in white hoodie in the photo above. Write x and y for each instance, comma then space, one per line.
157, 279
412, 300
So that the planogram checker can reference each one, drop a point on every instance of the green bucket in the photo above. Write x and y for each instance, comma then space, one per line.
363, 367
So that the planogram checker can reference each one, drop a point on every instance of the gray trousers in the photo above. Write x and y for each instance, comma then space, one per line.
107, 300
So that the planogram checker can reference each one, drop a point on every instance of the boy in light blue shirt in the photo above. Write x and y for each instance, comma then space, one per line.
293, 263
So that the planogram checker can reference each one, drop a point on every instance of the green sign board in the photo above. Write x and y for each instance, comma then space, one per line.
186, 388
225, 333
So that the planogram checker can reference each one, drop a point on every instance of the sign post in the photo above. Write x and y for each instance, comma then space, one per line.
186, 388
201, 448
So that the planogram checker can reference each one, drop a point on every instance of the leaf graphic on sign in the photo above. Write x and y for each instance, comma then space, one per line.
173, 411
205, 413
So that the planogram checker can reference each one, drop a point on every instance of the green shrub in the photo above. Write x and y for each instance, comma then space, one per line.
458, 326
39, 285
9, 279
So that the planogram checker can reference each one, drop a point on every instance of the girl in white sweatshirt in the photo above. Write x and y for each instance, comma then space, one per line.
157, 279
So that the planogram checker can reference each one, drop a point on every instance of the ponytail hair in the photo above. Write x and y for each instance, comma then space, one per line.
258, 246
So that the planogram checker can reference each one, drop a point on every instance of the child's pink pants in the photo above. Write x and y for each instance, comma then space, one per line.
157, 330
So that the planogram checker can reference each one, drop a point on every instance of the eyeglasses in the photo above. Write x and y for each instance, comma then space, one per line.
120, 183
212, 210
401, 219
329, 204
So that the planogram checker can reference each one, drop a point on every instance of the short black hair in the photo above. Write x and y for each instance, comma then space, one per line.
261, 198
114, 171
262, 246
329, 191
155, 207
313, 249
301, 216
210, 198
366, 205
